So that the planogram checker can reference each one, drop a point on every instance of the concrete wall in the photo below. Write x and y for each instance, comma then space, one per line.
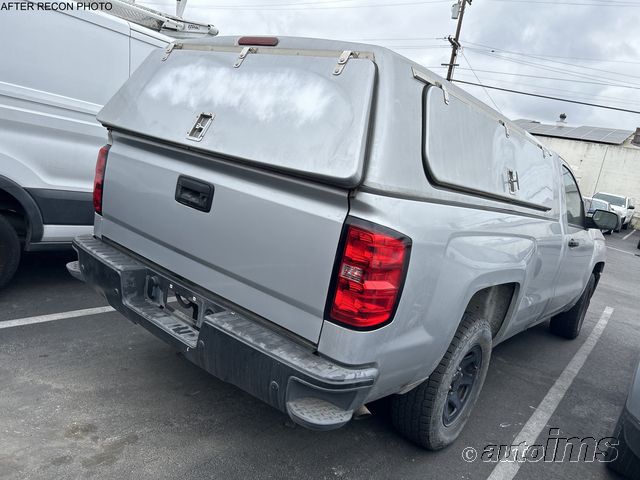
604, 168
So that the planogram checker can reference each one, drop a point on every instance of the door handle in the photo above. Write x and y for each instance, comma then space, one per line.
194, 193
573, 243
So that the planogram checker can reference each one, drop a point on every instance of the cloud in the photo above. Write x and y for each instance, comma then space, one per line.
412, 28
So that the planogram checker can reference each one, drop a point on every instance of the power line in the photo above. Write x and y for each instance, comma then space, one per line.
582, 95
550, 68
413, 47
545, 55
478, 79
574, 94
417, 39
608, 107
603, 97
538, 57
328, 4
572, 80
577, 4
301, 6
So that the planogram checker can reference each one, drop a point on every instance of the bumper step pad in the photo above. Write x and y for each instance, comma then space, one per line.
317, 413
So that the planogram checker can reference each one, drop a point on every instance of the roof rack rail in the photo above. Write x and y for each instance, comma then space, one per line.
165, 23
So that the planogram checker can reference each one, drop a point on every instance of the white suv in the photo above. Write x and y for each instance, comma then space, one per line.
58, 71
622, 206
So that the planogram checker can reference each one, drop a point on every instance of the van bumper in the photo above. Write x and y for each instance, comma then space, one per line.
231, 344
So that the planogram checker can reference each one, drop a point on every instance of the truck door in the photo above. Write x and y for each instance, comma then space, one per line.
577, 246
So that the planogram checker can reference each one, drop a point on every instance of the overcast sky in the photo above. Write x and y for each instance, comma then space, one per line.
586, 50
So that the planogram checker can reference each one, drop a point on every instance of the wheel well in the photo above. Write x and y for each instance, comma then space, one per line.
492, 303
14, 212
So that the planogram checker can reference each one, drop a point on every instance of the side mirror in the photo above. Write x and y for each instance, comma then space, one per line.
603, 220
632, 207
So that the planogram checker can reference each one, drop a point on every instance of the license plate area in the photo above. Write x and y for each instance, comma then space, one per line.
178, 301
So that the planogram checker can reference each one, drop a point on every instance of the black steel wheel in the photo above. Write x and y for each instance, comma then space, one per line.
462, 385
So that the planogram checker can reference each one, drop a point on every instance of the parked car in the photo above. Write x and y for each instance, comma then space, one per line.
625, 456
48, 102
593, 204
322, 256
621, 205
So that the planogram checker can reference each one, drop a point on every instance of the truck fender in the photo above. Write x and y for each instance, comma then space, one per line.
599, 248
472, 263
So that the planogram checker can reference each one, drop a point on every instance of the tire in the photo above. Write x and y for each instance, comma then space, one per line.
424, 415
9, 251
568, 324
625, 225
625, 463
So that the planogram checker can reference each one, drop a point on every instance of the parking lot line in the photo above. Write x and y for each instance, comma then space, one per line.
618, 250
628, 234
506, 470
54, 316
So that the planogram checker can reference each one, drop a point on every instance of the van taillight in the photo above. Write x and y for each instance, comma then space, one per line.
369, 276
98, 180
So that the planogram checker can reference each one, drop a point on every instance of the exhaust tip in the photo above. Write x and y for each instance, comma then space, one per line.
361, 413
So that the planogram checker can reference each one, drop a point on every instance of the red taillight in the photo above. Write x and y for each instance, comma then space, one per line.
98, 180
369, 277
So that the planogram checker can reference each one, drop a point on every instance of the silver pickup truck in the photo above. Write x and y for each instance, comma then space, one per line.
327, 224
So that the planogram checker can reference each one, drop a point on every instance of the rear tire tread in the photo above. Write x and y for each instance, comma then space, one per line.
568, 324
9, 251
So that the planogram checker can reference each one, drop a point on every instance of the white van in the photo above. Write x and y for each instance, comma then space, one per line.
57, 70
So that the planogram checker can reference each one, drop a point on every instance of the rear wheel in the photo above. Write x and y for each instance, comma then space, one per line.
9, 251
625, 226
568, 324
433, 414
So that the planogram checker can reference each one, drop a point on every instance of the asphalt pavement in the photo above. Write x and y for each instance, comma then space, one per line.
95, 396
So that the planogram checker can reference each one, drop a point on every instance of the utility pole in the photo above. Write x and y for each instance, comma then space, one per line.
457, 12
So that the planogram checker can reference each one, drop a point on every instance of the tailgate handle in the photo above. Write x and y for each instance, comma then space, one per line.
194, 193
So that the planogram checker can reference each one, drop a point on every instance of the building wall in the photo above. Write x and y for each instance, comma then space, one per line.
599, 167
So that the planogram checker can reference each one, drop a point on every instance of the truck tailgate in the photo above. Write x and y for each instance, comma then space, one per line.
268, 243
